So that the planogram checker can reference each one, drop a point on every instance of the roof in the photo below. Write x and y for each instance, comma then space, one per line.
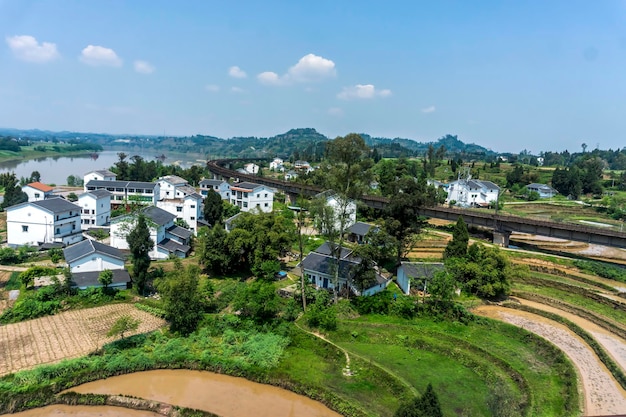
179, 231
40, 186
174, 180
97, 193
360, 228
246, 186
122, 184
231, 218
158, 215
173, 246
87, 247
212, 182
90, 278
422, 269
323, 264
544, 187
190, 192
103, 172
56, 205
325, 249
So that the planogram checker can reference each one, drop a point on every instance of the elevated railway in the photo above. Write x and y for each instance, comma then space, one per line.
503, 225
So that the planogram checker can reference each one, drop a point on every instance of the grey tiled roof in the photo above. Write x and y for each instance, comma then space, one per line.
179, 231
422, 269
158, 215
103, 172
360, 228
174, 180
98, 193
211, 182
87, 247
56, 205
246, 185
325, 249
323, 264
90, 278
172, 246
122, 184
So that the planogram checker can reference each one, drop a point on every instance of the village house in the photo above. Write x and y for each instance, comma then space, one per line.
44, 222
87, 259
544, 190
337, 204
126, 192
302, 166
291, 175
99, 175
180, 199
358, 231
417, 274
249, 196
95, 208
251, 168
219, 186
318, 268
169, 239
37, 191
277, 165
472, 193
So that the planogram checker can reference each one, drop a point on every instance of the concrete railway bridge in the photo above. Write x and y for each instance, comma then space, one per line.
502, 225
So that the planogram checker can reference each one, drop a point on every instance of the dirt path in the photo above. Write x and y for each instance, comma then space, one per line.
602, 394
66, 335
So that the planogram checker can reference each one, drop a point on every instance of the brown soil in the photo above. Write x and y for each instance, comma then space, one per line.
66, 335
602, 394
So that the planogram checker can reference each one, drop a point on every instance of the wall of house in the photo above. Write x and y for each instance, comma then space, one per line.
350, 212
96, 262
375, 289
94, 212
120, 229
33, 194
27, 225
404, 282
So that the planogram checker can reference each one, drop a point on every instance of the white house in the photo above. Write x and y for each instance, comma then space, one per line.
99, 175
318, 268
358, 231
139, 192
180, 199
169, 239
219, 186
291, 175
95, 208
251, 168
277, 165
544, 190
37, 191
249, 196
302, 166
416, 273
33, 223
472, 193
338, 204
88, 258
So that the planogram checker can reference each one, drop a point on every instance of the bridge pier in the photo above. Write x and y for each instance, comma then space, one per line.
291, 198
501, 238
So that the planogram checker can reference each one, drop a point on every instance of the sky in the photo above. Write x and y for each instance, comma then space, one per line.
508, 75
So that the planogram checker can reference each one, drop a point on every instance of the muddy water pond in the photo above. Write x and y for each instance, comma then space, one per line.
223, 395
83, 411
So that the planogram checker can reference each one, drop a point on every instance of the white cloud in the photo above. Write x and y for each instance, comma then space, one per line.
26, 48
237, 72
143, 67
212, 88
310, 68
335, 111
100, 56
269, 78
362, 91
429, 109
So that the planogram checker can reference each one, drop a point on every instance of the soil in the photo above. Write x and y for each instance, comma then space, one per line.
66, 335
602, 395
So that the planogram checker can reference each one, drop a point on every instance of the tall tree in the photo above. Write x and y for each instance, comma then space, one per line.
122, 168
140, 245
460, 238
182, 299
106, 278
35, 176
213, 208
13, 194
426, 405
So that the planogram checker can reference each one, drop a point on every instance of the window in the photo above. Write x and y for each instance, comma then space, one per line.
258, 196
193, 206
24, 228
36, 195
265, 195
245, 204
93, 221
58, 230
179, 209
192, 218
266, 205
167, 193
258, 205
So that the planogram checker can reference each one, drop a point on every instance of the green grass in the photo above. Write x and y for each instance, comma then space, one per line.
14, 282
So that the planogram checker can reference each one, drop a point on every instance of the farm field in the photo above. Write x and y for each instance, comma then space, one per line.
65, 335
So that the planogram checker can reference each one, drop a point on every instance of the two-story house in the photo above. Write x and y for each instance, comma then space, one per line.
87, 259
249, 196
544, 190
251, 168
472, 193
95, 208
127, 192
277, 165
320, 265
417, 275
180, 199
341, 208
219, 186
37, 191
169, 239
35, 223
99, 175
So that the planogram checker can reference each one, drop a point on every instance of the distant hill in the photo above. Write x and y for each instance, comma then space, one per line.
302, 143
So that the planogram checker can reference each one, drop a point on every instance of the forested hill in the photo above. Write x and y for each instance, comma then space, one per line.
304, 143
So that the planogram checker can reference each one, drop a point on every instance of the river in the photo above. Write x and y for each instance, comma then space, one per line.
56, 169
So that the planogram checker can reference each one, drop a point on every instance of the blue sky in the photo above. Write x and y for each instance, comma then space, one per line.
537, 75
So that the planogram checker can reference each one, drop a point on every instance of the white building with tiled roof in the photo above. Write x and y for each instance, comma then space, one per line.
99, 175
37, 191
472, 193
95, 208
219, 186
180, 199
50, 221
125, 192
87, 259
249, 196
